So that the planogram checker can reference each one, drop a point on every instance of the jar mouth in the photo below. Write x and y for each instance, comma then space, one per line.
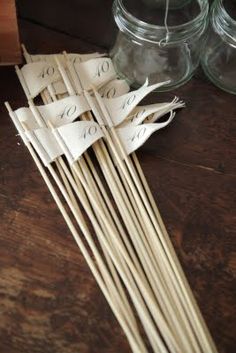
223, 22
154, 33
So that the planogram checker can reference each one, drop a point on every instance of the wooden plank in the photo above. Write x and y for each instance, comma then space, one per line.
9, 37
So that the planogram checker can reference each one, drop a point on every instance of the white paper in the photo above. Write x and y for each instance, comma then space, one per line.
79, 58
49, 58
45, 145
26, 116
38, 76
114, 88
74, 57
133, 137
59, 87
156, 116
95, 72
19, 127
151, 113
120, 107
76, 138
64, 111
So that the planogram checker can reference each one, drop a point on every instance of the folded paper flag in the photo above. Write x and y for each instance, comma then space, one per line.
64, 111
133, 137
76, 138
45, 144
114, 88
38, 76
120, 107
95, 72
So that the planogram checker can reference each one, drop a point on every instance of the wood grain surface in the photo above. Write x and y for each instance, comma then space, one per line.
9, 37
49, 301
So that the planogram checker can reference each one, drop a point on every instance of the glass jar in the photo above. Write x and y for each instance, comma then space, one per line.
219, 53
152, 45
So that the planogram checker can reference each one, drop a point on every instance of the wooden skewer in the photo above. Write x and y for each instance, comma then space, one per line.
198, 322
65, 80
46, 99
60, 162
139, 204
65, 170
101, 283
176, 278
203, 334
72, 75
73, 93
172, 283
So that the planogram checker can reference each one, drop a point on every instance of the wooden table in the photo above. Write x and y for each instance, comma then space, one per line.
49, 301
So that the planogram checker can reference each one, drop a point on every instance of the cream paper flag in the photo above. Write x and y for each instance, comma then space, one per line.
38, 76
120, 107
80, 58
114, 88
25, 116
63, 111
73, 57
76, 138
151, 113
95, 72
18, 127
59, 86
133, 137
156, 116
45, 144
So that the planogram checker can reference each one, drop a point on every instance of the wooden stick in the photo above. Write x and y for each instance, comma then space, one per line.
198, 321
83, 249
160, 274
65, 82
175, 276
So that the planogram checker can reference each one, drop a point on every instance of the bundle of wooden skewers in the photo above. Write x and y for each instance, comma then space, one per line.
123, 238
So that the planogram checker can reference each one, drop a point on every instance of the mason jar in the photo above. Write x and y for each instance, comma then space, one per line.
157, 44
219, 53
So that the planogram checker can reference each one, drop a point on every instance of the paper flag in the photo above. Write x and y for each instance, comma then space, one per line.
59, 87
151, 113
120, 107
133, 137
79, 58
114, 88
156, 116
74, 57
64, 111
95, 72
76, 138
38, 76
45, 144
26, 116
19, 127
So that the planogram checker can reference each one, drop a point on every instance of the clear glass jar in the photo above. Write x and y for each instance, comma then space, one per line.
146, 48
219, 53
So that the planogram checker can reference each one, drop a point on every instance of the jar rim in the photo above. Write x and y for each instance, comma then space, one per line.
204, 7
223, 20
226, 14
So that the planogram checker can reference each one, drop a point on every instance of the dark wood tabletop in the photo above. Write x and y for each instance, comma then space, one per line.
49, 301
